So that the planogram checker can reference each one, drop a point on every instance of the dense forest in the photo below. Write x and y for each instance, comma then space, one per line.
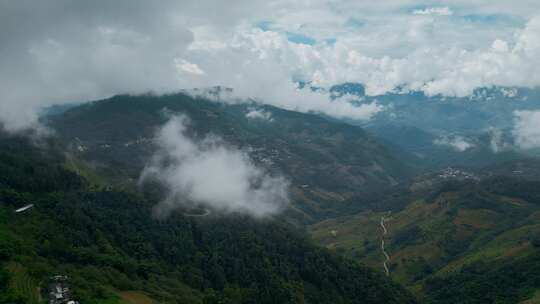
106, 240
507, 281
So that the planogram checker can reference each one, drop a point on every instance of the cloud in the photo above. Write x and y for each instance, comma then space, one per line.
259, 114
441, 11
211, 174
527, 129
61, 51
497, 142
188, 67
434, 67
457, 143
65, 51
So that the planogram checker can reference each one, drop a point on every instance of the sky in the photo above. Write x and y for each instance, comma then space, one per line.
61, 51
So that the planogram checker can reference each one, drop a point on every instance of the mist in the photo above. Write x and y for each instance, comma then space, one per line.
457, 143
210, 173
527, 129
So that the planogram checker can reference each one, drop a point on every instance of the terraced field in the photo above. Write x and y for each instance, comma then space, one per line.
23, 284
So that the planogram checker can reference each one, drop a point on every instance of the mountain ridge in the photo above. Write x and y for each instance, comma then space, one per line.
322, 158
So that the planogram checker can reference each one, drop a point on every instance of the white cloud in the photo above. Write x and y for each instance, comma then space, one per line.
457, 143
262, 64
259, 114
500, 46
212, 174
497, 142
441, 11
527, 129
188, 67
438, 69
62, 51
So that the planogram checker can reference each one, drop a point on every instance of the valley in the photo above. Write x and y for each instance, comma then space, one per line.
269, 152
92, 222
423, 227
445, 231
329, 164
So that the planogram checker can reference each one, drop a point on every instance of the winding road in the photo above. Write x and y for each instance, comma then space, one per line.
386, 256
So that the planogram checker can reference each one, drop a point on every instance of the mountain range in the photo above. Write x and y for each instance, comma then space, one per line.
327, 162
450, 224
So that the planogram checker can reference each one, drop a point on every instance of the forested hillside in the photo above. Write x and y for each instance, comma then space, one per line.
451, 235
327, 162
107, 242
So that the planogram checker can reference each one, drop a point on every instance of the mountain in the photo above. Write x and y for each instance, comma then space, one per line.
457, 219
486, 108
326, 161
439, 131
427, 150
111, 248
463, 236
524, 169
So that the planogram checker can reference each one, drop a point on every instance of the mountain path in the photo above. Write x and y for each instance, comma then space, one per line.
386, 256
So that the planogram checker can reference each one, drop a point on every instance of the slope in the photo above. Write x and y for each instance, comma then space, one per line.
454, 240
325, 161
106, 242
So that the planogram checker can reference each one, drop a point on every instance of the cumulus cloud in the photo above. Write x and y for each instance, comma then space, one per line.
61, 51
211, 174
435, 68
251, 51
458, 143
527, 129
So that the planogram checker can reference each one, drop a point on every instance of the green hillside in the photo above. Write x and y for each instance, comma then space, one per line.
454, 241
113, 251
423, 150
327, 162
453, 236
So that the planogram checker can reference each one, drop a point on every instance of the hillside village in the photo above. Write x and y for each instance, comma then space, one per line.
59, 290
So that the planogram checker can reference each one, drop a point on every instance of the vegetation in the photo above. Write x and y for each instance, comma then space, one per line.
106, 241
450, 240
453, 242
507, 281
325, 160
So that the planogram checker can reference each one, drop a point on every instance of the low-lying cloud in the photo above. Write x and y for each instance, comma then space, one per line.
211, 174
527, 129
260, 114
458, 143
497, 142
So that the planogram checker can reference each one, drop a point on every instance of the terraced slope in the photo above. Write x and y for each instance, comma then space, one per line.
486, 228
24, 284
